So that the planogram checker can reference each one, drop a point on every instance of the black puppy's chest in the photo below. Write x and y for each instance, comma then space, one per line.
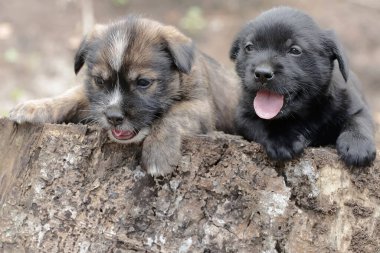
320, 127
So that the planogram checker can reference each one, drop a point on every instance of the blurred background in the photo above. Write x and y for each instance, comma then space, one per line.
38, 38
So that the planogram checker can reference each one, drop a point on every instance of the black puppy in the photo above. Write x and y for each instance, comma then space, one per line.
294, 95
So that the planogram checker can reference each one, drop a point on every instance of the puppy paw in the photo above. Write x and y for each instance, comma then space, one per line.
159, 158
356, 149
283, 151
34, 111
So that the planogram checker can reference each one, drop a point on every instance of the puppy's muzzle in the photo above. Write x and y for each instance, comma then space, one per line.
114, 116
263, 73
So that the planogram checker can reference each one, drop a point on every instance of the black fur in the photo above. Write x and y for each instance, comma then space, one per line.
322, 104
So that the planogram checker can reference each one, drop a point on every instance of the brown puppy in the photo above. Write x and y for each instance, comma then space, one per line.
145, 82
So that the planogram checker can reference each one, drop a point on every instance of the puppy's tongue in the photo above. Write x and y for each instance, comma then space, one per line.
267, 104
122, 135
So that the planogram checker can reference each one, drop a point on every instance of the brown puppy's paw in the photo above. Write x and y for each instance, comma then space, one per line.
35, 111
160, 158
356, 149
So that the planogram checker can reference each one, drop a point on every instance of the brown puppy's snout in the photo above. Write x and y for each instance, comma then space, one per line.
114, 116
263, 73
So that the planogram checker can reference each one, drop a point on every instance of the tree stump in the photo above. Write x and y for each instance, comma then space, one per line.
67, 188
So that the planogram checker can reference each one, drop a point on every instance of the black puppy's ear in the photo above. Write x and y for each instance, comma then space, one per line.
337, 53
181, 49
80, 56
235, 48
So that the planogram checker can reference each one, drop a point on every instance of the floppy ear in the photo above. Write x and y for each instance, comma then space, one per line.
234, 51
235, 48
181, 49
337, 53
81, 54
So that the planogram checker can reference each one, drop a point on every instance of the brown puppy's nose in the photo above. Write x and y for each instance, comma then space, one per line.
114, 117
263, 73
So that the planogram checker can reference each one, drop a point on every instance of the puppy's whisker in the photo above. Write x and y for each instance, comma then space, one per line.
93, 122
84, 110
88, 120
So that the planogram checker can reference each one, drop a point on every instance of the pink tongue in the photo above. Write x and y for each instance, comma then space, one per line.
267, 104
120, 134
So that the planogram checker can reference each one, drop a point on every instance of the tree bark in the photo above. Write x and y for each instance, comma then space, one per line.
66, 188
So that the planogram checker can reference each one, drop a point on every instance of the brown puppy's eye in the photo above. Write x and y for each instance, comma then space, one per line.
98, 80
295, 50
249, 47
143, 83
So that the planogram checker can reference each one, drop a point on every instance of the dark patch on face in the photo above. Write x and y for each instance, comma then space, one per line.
146, 56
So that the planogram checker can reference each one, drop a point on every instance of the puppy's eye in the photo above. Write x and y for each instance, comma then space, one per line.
295, 50
143, 83
249, 47
98, 80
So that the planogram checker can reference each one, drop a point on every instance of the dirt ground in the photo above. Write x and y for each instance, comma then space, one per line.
38, 38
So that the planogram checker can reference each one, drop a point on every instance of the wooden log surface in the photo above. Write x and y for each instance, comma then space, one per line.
67, 188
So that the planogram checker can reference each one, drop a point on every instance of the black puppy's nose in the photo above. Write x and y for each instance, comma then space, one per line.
114, 117
263, 73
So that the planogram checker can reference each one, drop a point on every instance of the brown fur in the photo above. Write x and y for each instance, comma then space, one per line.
202, 94
68, 107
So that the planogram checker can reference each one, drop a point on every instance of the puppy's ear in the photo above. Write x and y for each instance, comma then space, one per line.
180, 47
234, 51
337, 52
81, 54
244, 32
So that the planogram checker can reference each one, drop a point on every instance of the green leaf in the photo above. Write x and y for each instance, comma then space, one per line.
16, 94
120, 2
11, 55
193, 21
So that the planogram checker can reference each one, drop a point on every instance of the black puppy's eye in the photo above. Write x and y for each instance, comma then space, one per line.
295, 50
143, 83
249, 47
98, 80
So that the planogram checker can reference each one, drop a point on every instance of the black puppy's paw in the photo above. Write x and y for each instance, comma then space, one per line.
356, 149
285, 150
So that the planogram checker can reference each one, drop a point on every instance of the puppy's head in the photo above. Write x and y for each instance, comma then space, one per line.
134, 70
285, 61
